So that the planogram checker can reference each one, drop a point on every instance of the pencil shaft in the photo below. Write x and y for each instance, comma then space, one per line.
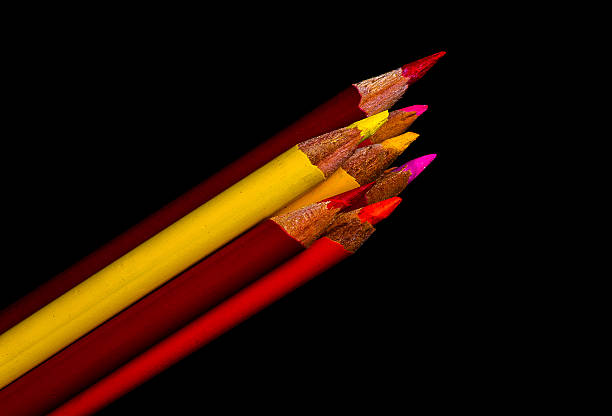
154, 262
339, 111
148, 321
322, 255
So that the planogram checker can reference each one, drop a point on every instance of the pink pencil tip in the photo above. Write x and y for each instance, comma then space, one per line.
418, 109
415, 70
416, 166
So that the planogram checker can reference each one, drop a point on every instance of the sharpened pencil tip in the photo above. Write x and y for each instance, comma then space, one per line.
401, 142
349, 198
416, 166
369, 125
379, 211
418, 109
415, 70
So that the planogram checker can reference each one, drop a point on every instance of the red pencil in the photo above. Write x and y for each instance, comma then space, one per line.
345, 236
356, 102
171, 307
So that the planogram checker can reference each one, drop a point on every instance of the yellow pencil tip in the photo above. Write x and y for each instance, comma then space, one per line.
369, 125
401, 142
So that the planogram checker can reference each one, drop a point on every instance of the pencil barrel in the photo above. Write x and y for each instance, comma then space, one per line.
319, 257
339, 111
150, 320
155, 261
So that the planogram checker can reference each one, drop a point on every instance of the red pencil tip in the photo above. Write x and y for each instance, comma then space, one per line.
349, 198
379, 211
415, 70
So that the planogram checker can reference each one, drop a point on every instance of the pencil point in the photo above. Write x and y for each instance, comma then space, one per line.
379, 211
416, 166
418, 109
415, 70
369, 125
349, 198
366, 142
401, 142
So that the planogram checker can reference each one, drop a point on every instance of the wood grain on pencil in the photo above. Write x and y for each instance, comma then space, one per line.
364, 166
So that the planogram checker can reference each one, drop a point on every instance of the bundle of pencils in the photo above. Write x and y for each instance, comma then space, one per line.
177, 247
359, 100
343, 238
282, 214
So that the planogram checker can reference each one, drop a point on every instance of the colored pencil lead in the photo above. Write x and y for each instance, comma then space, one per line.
417, 69
347, 199
418, 109
416, 166
378, 211
401, 142
368, 126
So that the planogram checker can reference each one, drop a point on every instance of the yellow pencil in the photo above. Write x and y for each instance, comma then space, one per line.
364, 166
177, 247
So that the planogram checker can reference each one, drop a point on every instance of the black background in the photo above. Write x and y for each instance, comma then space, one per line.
110, 124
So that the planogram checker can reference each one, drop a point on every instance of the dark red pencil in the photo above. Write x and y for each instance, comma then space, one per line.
171, 307
356, 102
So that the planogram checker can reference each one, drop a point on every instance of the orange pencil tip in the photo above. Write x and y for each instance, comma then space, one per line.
379, 211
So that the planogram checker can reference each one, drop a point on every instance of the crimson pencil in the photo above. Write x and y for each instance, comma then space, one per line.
171, 307
346, 235
356, 102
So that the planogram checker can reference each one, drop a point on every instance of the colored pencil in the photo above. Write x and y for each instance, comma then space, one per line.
399, 122
170, 307
362, 99
347, 234
177, 247
364, 166
104, 349
395, 180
